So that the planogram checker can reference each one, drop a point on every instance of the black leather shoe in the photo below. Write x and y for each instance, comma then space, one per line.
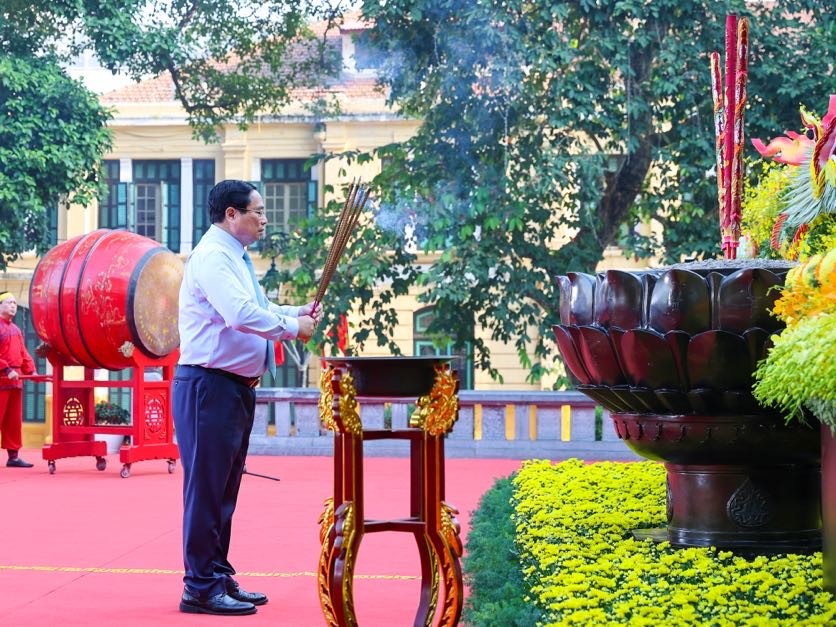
221, 604
17, 462
237, 593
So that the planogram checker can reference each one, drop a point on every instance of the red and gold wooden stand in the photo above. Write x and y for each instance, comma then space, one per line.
431, 521
74, 422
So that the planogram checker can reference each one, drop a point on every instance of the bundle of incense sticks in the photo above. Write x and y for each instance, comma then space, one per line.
355, 199
728, 128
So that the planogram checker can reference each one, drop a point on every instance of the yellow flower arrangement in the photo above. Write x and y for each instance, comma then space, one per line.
761, 206
809, 289
799, 372
791, 213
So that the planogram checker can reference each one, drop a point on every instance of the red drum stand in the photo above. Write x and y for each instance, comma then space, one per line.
431, 521
74, 416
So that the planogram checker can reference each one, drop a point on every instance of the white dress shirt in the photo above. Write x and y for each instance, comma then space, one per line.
221, 323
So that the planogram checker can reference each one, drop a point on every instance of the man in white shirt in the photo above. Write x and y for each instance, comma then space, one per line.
227, 334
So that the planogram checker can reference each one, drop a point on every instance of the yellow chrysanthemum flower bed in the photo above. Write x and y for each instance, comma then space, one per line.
582, 566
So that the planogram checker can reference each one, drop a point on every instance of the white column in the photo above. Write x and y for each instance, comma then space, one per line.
62, 210
186, 204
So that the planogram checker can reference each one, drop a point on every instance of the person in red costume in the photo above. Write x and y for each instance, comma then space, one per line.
14, 360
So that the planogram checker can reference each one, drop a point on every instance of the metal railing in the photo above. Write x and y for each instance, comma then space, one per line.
496, 423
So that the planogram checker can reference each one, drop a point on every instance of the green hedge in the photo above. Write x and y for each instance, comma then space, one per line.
552, 545
492, 565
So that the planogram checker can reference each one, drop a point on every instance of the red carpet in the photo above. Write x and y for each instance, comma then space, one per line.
84, 547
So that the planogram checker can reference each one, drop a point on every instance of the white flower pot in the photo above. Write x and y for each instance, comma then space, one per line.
113, 441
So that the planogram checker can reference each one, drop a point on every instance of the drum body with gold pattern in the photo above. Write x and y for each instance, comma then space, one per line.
98, 297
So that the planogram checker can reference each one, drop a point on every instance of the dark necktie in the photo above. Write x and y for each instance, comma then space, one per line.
262, 300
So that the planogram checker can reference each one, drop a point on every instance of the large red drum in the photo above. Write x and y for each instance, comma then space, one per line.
97, 298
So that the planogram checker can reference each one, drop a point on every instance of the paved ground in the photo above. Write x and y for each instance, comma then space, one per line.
83, 547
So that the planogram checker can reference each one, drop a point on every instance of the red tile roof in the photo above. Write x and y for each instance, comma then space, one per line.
159, 89
350, 85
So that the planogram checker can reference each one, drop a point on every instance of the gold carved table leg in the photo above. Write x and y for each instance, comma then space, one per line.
432, 521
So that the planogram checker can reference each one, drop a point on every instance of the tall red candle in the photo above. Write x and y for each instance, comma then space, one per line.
728, 140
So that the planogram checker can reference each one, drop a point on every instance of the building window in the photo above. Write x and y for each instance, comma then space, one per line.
120, 395
52, 223
286, 204
156, 210
288, 191
462, 359
150, 205
288, 374
113, 206
366, 55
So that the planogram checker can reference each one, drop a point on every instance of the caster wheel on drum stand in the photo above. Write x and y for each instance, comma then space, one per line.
126, 471
101, 463
50, 466
171, 466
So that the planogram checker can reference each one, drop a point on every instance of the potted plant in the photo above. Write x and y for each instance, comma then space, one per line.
108, 413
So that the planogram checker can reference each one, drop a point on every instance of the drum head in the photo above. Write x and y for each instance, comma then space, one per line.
153, 303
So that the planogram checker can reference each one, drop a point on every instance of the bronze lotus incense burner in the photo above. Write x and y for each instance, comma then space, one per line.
671, 354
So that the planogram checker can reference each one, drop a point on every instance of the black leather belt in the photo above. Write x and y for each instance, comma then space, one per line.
249, 382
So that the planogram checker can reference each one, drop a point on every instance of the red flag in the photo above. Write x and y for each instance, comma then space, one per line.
279, 352
342, 334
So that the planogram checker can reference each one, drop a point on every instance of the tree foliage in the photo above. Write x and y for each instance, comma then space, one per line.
52, 136
378, 266
230, 60
551, 129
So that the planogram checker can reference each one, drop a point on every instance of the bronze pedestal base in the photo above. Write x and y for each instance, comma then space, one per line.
762, 509
745, 483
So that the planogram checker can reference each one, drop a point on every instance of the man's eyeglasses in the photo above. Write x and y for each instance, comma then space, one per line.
258, 212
